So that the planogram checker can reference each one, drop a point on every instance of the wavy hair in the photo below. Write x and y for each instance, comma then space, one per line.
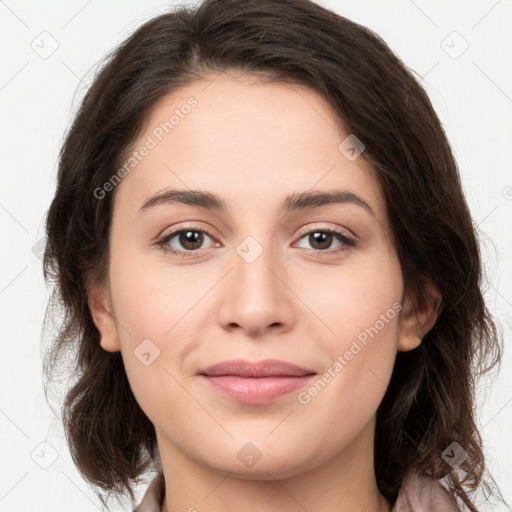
430, 402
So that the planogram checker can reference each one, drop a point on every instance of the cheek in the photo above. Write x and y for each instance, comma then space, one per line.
153, 303
354, 300
360, 317
154, 315
348, 392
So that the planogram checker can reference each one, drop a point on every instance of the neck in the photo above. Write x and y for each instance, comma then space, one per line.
344, 482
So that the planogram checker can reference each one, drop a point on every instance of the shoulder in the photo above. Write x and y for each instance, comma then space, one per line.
422, 493
153, 498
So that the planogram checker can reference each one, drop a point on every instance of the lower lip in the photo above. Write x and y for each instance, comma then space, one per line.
256, 390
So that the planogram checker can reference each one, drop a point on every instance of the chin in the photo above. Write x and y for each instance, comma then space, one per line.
276, 467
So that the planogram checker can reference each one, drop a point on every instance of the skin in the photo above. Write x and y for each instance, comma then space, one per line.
252, 144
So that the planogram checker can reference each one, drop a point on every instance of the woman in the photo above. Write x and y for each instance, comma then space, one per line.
261, 241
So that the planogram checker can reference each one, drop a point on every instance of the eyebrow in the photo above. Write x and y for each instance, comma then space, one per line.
292, 202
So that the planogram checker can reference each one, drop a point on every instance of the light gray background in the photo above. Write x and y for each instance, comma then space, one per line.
471, 91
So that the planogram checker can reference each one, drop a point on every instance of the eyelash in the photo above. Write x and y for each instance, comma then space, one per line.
162, 242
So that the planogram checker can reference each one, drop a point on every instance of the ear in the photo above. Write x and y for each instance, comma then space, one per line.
100, 304
416, 320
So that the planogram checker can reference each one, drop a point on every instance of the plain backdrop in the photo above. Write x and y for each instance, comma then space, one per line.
461, 52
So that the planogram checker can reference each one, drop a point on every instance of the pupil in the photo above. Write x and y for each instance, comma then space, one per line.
321, 238
191, 239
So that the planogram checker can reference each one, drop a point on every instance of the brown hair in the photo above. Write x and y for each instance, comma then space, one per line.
430, 401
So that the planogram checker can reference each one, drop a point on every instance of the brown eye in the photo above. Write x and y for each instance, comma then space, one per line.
190, 240
183, 241
321, 239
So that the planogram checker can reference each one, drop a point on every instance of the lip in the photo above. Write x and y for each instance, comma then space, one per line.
263, 368
255, 382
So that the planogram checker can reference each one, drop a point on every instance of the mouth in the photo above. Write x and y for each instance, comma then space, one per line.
255, 382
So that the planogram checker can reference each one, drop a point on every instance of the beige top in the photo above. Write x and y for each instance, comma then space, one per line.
419, 493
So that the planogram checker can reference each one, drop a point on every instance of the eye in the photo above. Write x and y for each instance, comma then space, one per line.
190, 239
321, 239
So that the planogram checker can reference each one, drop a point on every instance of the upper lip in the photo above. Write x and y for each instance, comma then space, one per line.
263, 368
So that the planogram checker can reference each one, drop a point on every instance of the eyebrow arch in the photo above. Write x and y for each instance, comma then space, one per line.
292, 202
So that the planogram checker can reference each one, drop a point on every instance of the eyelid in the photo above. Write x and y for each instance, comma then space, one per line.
348, 239
318, 226
194, 226
303, 231
163, 240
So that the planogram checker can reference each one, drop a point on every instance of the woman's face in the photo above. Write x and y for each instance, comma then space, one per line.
264, 277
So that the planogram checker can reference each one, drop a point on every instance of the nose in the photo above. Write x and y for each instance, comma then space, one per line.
256, 296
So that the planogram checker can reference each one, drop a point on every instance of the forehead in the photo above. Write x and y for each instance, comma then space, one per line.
249, 142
